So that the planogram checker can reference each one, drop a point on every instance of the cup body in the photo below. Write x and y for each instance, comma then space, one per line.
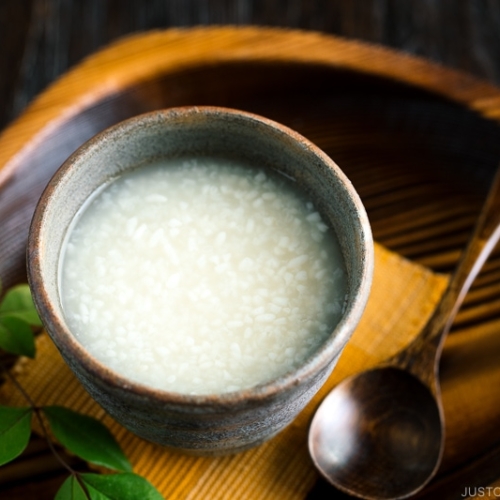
220, 423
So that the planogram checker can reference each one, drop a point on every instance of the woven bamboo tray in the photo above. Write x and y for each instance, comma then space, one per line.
420, 143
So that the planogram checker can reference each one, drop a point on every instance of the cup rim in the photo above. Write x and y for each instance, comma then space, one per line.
67, 343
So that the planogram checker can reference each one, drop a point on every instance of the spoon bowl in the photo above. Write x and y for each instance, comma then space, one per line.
380, 434
394, 452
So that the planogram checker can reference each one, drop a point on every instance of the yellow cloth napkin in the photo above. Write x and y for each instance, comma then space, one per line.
403, 296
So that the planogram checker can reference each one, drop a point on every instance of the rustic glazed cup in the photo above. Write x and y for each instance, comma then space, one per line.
220, 423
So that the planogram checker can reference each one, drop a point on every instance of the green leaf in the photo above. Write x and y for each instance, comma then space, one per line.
15, 431
19, 304
71, 490
125, 486
16, 336
86, 437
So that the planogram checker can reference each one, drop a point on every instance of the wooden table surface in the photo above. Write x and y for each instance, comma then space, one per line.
41, 39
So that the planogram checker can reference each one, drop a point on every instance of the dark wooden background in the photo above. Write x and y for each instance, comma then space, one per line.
41, 39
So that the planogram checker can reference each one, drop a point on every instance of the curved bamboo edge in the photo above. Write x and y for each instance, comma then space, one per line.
138, 58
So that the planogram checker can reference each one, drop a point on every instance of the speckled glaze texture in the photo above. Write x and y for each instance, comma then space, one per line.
213, 424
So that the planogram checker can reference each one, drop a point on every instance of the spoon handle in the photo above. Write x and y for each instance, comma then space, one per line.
421, 356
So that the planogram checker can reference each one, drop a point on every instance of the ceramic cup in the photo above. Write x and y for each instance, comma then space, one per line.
205, 424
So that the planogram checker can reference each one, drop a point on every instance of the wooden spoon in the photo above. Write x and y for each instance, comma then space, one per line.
380, 434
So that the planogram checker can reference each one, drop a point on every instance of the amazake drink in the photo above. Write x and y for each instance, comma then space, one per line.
201, 276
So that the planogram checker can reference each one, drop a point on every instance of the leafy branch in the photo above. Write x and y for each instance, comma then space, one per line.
82, 435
